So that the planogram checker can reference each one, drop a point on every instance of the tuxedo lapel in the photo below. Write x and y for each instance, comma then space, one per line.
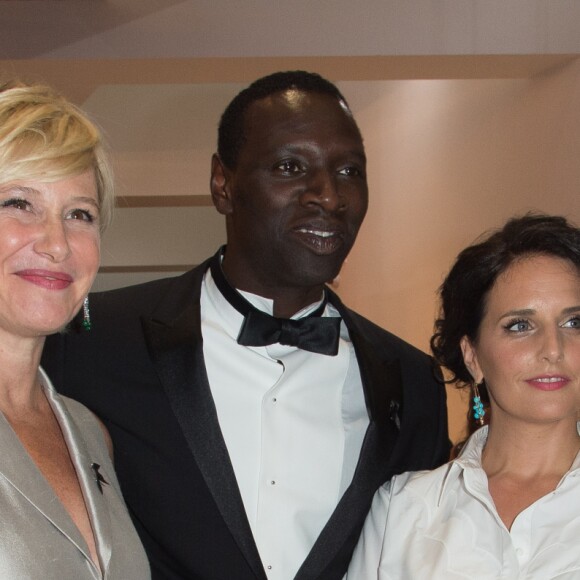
380, 371
175, 345
381, 380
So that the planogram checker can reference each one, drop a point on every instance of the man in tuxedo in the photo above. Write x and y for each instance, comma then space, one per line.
253, 415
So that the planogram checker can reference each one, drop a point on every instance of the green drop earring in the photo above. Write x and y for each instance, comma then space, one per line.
86, 323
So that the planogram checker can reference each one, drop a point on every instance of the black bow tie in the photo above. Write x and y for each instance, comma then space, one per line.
313, 333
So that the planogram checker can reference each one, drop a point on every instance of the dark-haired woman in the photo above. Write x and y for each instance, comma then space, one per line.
509, 506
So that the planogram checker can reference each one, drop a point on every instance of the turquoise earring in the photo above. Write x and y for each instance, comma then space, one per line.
478, 410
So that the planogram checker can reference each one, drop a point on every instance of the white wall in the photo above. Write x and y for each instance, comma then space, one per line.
448, 160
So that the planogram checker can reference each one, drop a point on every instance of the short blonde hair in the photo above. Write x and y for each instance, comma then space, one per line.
45, 137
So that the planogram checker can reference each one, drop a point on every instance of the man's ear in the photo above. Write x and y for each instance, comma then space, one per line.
470, 359
219, 186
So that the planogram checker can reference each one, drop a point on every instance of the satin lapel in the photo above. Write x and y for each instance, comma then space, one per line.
381, 379
176, 350
380, 371
18, 468
94, 500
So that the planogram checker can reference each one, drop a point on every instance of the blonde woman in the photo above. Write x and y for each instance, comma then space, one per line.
62, 513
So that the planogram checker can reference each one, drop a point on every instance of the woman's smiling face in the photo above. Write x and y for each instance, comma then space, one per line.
528, 344
49, 252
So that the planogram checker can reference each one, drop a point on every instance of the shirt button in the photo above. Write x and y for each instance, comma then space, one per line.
272, 482
269, 567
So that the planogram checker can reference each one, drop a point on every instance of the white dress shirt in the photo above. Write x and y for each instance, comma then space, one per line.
293, 423
443, 525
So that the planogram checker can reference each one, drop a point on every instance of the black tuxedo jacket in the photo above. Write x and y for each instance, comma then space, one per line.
141, 369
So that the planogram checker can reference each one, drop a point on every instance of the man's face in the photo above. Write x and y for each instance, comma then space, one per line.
297, 196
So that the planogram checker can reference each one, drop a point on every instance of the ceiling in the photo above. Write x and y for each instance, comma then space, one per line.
80, 45
151, 29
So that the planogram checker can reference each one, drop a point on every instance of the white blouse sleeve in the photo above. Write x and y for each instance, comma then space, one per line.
367, 554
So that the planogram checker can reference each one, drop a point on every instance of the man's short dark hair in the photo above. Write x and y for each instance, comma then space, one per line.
231, 137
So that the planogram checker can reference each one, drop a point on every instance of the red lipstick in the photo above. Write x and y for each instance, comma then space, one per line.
46, 278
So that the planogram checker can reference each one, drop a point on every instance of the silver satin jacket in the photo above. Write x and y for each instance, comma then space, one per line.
38, 539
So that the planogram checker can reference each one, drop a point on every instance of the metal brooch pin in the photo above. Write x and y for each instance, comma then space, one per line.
99, 477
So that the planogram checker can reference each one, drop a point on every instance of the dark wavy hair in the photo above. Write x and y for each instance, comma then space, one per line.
464, 292
231, 137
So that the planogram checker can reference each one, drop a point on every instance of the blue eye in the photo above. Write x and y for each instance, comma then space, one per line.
574, 323
517, 326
